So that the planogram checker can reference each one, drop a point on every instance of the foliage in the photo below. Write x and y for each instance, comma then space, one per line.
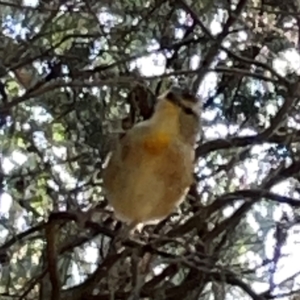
75, 75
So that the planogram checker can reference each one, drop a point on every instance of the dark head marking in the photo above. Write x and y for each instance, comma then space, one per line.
176, 95
184, 93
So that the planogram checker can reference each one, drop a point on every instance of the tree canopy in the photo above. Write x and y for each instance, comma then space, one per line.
75, 75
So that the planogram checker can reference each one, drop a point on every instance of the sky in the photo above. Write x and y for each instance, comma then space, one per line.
154, 65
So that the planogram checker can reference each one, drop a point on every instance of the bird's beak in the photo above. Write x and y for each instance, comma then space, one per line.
181, 93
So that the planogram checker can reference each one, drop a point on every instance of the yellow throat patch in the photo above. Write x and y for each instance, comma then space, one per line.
156, 143
167, 118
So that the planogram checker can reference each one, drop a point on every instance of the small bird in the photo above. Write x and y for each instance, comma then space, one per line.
151, 168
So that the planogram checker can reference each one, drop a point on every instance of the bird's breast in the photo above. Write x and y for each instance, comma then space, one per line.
156, 143
149, 175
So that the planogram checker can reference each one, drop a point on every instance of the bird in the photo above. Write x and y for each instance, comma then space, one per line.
149, 172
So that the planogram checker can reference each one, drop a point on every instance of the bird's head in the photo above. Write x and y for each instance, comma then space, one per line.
182, 99
181, 104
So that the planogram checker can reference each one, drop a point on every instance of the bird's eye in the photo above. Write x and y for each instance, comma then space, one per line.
188, 111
